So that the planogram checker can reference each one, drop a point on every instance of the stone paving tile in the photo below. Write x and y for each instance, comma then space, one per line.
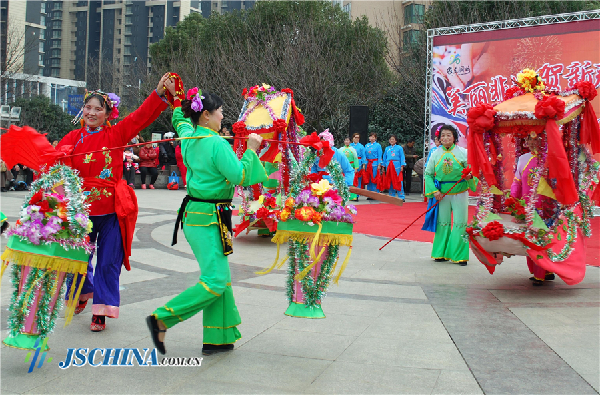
357, 378
548, 295
258, 369
324, 346
335, 324
452, 382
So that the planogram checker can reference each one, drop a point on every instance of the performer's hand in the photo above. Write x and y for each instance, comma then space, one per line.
438, 195
170, 85
160, 89
254, 141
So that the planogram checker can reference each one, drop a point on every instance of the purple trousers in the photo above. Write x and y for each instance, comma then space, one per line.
102, 284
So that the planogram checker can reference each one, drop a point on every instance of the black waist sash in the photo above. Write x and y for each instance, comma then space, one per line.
224, 214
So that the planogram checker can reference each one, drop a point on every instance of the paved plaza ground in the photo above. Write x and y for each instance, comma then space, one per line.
397, 323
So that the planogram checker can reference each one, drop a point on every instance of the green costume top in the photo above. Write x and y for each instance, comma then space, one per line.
351, 155
214, 169
446, 165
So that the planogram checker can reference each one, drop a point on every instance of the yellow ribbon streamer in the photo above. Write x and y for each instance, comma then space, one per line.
262, 272
314, 242
283, 262
343, 267
73, 299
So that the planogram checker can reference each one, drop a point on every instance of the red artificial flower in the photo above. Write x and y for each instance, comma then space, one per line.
481, 117
314, 177
586, 89
304, 213
316, 218
270, 202
239, 129
333, 195
466, 171
510, 92
44, 207
262, 213
493, 230
244, 92
521, 210
114, 114
279, 125
39, 195
192, 92
550, 107
510, 201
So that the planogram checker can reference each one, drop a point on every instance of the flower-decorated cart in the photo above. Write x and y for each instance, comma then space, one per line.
548, 138
315, 222
47, 246
273, 115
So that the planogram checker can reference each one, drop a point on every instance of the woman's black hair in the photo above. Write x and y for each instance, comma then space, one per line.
373, 134
103, 102
394, 136
451, 129
210, 103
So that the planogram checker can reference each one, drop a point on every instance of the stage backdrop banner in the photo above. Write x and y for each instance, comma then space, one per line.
470, 68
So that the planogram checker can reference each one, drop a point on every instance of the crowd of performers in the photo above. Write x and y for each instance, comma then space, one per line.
213, 171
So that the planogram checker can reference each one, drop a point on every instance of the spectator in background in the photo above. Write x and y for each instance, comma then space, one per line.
411, 157
136, 151
27, 173
6, 176
55, 143
128, 168
148, 157
167, 151
226, 133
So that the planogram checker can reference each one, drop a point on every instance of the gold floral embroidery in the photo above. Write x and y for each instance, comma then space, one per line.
88, 158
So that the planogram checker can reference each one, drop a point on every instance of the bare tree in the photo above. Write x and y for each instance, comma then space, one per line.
13, 59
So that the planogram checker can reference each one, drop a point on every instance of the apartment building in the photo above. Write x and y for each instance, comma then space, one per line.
223, 6
402, 20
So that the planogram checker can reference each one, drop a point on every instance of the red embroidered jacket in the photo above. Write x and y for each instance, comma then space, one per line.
102, 170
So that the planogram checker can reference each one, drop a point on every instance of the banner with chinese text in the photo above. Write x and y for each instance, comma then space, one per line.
478, 67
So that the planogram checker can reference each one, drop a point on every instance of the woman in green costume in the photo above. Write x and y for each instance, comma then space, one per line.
443, 170
213, 170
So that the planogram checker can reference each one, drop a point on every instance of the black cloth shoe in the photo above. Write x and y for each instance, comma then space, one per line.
209, 349
463, 263
440, 259
154, 331
370, 199
550, 277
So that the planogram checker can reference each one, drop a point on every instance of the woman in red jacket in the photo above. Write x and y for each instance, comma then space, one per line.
113, 205
148, 157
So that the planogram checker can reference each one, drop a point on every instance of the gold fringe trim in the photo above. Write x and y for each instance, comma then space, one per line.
44, 261
282, 236
571, 116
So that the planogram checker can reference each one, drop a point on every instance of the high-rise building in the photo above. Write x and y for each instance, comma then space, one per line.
223, 6
103, 42
402, 20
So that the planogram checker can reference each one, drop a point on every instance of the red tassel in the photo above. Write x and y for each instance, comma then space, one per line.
590, 131
558, 166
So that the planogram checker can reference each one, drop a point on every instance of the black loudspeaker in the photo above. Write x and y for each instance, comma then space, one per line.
359, 122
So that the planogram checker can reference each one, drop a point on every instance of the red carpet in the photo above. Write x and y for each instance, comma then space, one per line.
388, 220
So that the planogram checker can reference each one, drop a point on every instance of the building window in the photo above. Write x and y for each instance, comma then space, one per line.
57, 5
56, 33
56, 24
57, 14
127, 29
42, 34
348, 8
55, 53
127, 51
128, 40
128, 20
55, 62
55, 44
410, 37
41, 47
55, 73
413, 13
43, 20
43, 8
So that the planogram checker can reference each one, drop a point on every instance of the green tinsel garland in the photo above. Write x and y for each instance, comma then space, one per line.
21, 308
46, 318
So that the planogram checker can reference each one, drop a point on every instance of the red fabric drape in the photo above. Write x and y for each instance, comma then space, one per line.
126, 208
27, 147
393, 179
590, 132
478, 158
558, 166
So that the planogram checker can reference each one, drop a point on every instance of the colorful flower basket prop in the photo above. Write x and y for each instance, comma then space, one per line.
273, 115
315, 222
48, 244
549, 224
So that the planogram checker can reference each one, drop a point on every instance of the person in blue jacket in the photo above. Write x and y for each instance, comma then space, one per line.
337, 156
394, 162
373, 154
362, 160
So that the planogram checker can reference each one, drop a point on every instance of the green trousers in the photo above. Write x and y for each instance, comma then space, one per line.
449, 241
212, 294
